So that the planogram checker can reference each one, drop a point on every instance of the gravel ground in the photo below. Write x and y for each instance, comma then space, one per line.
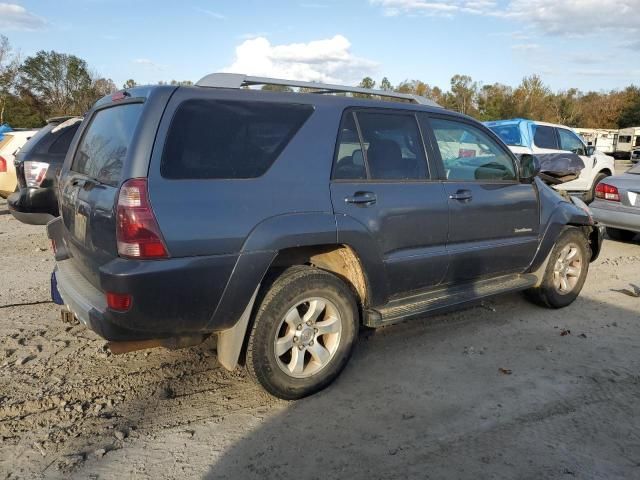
502, 390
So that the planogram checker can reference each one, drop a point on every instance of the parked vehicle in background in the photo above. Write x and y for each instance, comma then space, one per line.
605, 140
10, 144
37, 166
617, 204
547, 141
281, 222
628, 140
635, 155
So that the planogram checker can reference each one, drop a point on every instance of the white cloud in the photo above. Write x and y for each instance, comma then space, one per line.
434, 7
554, 17
16, 17
525, 47
583, 17
149, 63
212, 14
328, 60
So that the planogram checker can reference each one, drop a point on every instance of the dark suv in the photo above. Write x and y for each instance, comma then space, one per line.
37, 165
283, 222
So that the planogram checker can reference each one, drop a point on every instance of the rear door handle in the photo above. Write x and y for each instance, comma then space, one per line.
461, 195
363, 199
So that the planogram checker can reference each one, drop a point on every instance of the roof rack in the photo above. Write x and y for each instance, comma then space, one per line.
238, 80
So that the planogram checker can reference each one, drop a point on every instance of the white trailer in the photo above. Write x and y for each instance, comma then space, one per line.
628, 139
603, 139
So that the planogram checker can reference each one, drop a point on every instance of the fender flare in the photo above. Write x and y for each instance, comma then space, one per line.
231, 319
565, 214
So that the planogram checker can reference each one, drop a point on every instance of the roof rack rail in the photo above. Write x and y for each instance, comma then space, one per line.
238, 80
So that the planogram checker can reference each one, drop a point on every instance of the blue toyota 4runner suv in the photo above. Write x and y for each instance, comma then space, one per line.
282, 222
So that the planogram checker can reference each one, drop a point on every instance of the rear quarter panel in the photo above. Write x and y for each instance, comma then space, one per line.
219, 216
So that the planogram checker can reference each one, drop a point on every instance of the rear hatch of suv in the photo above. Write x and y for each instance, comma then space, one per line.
115, 144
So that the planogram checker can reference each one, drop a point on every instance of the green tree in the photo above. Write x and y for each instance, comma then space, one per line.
417, 87
630, 114
533, 99
129, 84
59, 81
496, 102
463, 91
277, 88
566, 107
9, 67
385, 84
367, 82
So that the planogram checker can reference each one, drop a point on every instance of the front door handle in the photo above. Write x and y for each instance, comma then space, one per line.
363, 199
461, 195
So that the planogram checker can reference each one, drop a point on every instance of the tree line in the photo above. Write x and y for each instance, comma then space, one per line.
50, 84
531, 99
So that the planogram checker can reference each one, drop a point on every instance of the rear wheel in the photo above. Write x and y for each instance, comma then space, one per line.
620, 235
591, 195
303, 333
566, 271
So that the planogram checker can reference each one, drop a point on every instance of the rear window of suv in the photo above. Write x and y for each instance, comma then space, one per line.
228, 139
104, 145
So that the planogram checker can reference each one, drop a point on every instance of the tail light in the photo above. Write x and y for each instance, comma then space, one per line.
3, 164
137, 231
607, 192
118, 301
34, 173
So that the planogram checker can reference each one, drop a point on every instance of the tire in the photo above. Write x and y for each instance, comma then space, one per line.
301, 293
620, 235
592, 193
552, 292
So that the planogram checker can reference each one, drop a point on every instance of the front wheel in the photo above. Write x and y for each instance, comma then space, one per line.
303, 333
566, 271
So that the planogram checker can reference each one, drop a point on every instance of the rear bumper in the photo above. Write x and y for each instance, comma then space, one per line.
619, 217
35, 206
170, 298
175, 297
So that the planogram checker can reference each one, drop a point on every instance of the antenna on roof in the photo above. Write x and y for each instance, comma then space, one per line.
238, 80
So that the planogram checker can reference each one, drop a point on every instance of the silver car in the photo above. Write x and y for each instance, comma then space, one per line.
617, 204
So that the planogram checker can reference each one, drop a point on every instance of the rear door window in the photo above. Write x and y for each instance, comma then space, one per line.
229, 139
393, 146
104, 145
545, 137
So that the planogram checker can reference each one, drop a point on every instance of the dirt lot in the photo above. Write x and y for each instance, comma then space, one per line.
423, 399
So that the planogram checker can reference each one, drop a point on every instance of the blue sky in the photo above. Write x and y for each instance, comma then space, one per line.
589, 44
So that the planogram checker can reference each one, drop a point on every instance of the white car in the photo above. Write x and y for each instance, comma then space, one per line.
10, 143
547, 139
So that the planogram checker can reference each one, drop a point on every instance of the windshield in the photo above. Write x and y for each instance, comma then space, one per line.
509, 134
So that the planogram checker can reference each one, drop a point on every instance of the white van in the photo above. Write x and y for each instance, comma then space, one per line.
628, 140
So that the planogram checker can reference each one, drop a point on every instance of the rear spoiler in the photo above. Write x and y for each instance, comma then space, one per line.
60, 119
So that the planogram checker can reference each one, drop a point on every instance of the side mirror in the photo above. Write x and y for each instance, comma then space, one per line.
591, 150
529, 167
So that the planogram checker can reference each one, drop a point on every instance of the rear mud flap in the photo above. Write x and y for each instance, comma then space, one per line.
55, 294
